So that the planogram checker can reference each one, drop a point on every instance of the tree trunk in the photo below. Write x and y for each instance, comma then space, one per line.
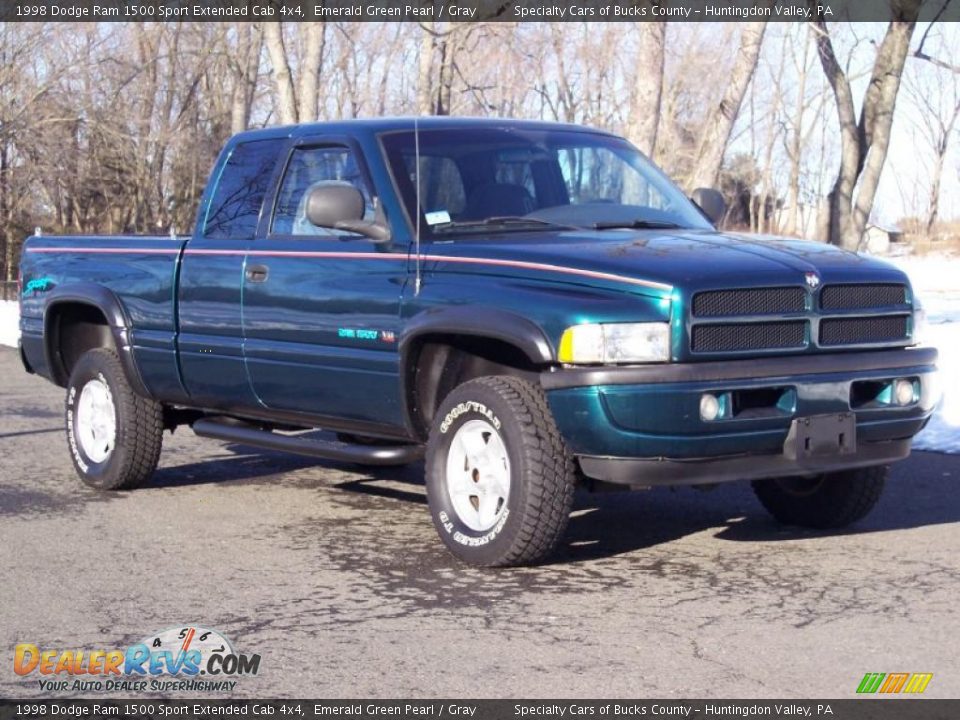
425, 70
767, 191
933, 208
310, 74
795, 145
648, 87
941, 147
864, 143
713, 143
249, 43
282, 77
6, 238
444, 95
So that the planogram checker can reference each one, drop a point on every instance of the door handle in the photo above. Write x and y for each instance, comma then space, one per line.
256, 273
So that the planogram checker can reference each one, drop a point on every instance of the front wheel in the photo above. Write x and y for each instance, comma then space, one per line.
830, 500
499, 477
114, 435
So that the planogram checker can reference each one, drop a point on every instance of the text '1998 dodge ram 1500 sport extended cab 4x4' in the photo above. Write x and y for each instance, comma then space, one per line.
529, 305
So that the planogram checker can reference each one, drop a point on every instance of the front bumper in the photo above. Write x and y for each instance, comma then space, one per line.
642, 426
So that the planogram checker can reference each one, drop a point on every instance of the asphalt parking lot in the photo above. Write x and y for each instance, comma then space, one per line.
334, 575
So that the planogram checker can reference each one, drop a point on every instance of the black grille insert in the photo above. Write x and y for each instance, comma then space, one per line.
862, 330
752, 301
749, 336
862, 297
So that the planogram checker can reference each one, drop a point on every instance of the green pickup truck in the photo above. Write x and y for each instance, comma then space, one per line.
529, 306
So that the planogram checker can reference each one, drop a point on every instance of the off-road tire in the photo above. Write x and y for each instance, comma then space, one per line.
139, 426
829, 501
542, 474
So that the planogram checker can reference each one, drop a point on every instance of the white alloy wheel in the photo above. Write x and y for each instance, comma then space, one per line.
96, 421
478, 475
499, 477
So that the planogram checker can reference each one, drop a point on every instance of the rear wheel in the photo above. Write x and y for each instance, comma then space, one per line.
499, 477
114, 435
830, 500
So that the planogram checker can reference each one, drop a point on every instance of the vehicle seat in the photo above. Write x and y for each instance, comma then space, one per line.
494, 199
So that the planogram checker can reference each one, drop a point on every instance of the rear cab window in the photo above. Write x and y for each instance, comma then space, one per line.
244, 181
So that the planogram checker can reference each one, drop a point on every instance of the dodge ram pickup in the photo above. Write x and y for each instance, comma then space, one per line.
528, 306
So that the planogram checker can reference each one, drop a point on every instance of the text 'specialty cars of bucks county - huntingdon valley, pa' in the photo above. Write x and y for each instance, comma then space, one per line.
527, 306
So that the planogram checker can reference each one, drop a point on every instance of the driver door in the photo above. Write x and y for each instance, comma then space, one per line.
321, 306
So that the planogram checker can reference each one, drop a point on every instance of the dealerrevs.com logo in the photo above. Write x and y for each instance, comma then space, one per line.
182, 658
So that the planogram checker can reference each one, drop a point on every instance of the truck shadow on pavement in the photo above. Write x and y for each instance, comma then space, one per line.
921, 492
241, 465
25, 433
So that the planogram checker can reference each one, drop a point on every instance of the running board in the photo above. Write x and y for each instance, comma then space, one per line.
326, 449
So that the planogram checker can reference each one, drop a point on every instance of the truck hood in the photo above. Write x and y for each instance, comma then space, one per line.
686, 260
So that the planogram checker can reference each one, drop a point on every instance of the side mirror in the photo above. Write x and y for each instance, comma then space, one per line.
341, 207
711, 202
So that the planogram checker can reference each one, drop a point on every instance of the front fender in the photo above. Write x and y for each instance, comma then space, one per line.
479, 322
467, 321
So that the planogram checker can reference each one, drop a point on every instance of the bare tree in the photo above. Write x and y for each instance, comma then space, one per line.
921, 52
644, 115
864, 141
282, 75
794, 138
766, 201
24, 84
114, 127
438, 67
716, 133
425, 89
935, 96
296, 101
244, 64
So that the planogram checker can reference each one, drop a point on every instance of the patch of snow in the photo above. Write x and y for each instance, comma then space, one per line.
936, 281
9, 322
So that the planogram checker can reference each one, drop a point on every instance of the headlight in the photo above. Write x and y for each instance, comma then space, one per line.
616, 343
920, 335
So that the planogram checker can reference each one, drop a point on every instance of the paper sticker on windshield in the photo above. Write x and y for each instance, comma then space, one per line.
437, 216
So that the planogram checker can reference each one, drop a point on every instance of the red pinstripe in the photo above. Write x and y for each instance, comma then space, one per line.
107, 251
521, 264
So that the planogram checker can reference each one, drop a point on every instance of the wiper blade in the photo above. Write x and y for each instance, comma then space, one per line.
501, 220
635, 225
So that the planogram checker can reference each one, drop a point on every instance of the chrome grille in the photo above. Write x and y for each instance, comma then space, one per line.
748, 336
862, 297
863, 330
751, 301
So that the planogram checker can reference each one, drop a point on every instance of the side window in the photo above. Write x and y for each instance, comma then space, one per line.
310, 168
235, 207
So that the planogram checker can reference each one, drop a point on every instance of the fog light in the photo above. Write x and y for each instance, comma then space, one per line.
903, 392
709, 407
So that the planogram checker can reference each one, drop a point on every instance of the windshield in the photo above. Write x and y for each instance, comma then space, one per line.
508, 180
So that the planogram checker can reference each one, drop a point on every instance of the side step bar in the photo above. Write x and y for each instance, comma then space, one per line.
326, 449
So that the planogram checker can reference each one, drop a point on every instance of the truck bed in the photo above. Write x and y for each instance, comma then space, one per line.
140, 271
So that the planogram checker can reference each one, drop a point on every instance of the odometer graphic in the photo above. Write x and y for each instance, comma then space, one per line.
193, 639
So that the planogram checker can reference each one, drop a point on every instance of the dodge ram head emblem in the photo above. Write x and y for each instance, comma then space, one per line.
813, 280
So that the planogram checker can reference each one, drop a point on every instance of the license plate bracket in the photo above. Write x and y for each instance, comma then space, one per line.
817, 436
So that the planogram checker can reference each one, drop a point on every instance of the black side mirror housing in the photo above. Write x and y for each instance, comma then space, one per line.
711, 202
341, 207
